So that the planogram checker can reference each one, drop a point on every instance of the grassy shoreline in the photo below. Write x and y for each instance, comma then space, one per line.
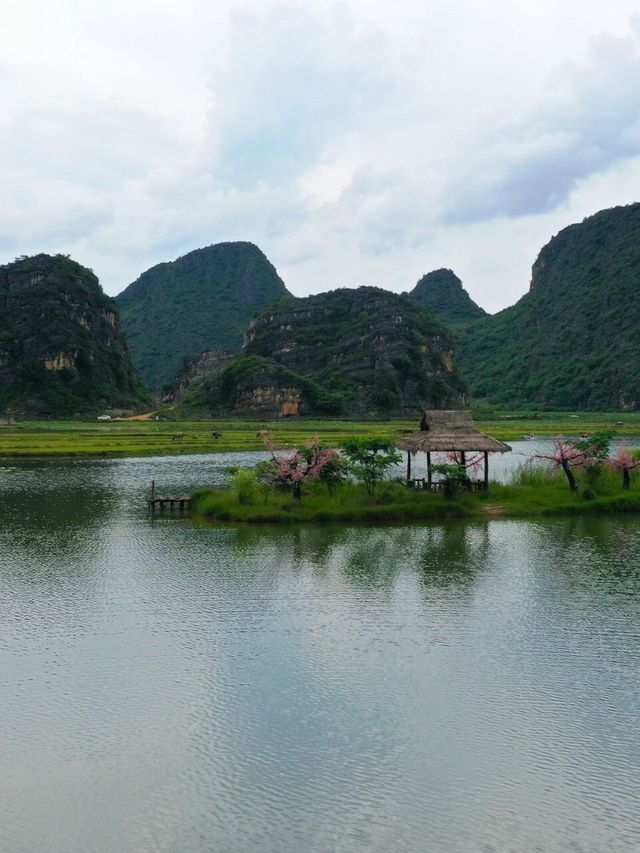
35, 439
395, 504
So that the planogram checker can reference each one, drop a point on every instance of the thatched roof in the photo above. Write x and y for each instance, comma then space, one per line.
449, 430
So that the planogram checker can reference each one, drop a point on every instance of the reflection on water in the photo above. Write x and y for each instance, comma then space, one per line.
169, 686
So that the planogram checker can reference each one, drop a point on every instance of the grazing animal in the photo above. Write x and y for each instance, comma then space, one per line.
178, 436
216, 434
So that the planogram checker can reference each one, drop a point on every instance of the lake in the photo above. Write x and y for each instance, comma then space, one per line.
170, 686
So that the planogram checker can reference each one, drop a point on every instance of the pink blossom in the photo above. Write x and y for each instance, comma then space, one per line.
623, 460
474, 463
565, 453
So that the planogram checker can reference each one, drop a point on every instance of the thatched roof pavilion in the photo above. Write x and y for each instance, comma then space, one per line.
447, 431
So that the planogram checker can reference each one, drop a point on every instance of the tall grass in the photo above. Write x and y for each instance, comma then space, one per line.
530, 493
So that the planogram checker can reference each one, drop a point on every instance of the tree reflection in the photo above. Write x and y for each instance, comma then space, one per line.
452, 554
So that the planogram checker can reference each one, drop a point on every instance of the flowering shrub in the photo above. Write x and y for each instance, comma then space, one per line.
625, 461
471, 463
291, 469
588, 453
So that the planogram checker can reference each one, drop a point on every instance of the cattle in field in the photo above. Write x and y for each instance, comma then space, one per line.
178, 436
216, 434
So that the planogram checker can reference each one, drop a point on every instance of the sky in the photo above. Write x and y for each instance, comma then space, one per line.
356, 142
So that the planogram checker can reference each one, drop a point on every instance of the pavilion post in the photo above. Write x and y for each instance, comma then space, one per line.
429, 471
408, 467
463, 458
486, 470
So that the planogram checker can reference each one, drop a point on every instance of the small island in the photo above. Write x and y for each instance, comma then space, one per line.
316, 483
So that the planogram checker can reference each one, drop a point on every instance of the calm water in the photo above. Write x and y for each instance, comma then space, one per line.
166, 686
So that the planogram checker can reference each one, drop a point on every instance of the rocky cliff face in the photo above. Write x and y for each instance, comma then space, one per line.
202, 300
363, 351
195, 370
441, 292
61, 349
572, 341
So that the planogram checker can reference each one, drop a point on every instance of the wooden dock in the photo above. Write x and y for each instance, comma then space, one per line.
170, 502
162, 502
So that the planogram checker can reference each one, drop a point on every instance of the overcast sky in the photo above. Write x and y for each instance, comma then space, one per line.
356, 142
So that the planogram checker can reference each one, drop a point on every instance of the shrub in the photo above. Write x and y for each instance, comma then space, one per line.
245, 486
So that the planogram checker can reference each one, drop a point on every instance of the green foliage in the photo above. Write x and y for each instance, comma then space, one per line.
246, 487
370, 459
452, 476
393, 502
571, 342
441, 292
203, 299
346, 351
61, 349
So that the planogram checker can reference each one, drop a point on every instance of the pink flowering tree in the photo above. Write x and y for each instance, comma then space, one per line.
291, 469
470, 463
569, 454
625, 461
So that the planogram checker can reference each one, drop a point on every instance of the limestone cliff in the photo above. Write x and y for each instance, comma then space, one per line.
364, 351
61, 348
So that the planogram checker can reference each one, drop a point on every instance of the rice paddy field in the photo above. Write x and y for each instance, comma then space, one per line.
151, 437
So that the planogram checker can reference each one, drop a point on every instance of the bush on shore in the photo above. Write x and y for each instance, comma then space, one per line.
531, 492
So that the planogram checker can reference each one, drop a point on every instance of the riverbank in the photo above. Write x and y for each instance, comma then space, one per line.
156, 438
396, 503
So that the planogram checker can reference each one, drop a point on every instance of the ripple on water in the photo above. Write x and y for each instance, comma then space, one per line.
165, 686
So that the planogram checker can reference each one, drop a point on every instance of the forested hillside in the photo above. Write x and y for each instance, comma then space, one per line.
61, 348
573, 340
441, 292
201, 300
361, 351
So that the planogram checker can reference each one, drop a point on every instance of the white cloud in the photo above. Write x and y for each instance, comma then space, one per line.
355, 142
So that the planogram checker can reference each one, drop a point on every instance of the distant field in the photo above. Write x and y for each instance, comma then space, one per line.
145, 438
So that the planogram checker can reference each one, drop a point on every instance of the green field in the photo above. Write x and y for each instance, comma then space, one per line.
145, 438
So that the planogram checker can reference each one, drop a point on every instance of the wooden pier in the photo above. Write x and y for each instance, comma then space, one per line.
170, 502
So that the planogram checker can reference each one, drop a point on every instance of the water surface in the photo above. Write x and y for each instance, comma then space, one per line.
168, 686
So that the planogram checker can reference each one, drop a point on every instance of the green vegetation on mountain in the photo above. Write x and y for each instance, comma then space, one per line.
61, 348
201, 300
441, 292
362, 351
572, 341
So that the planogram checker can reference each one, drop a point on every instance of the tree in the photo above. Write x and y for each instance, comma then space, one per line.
469, 463
453, 475
573, 453
370, 459
292, 469
626, 461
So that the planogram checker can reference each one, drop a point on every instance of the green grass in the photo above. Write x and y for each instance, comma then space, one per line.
145, 438
531, 494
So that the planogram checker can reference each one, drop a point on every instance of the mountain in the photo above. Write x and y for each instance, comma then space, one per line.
572, 342
195, 369
61, 348
203, 299
441, 292
362, 351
